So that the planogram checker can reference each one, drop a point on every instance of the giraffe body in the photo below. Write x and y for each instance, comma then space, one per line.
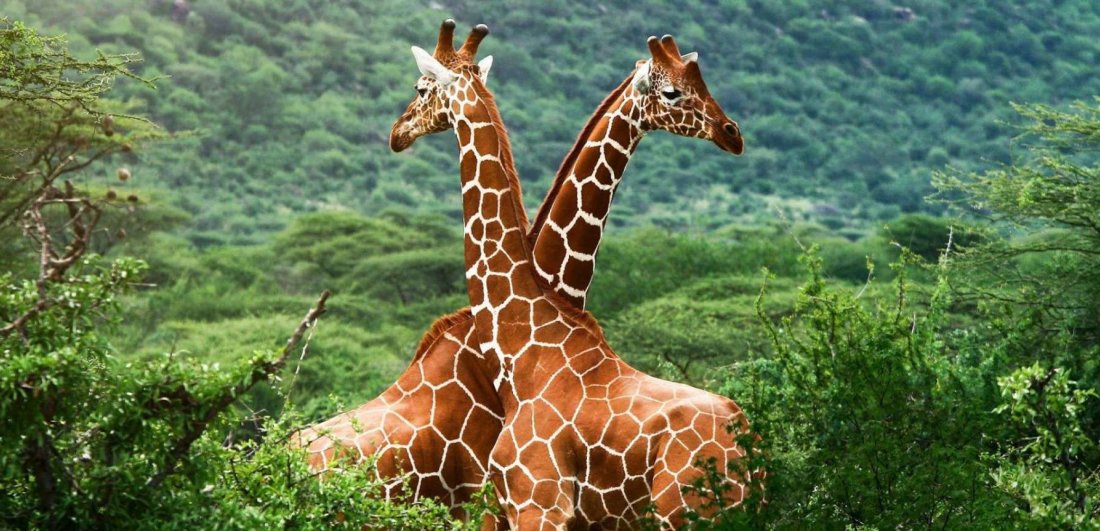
434, 427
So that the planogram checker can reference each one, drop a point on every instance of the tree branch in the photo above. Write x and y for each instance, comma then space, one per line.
83, 217
260, 373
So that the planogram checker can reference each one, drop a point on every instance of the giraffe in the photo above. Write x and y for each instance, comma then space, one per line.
587, 440
436, 425
577, 205
445, 386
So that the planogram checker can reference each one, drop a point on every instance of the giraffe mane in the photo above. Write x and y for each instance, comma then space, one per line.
438, 328
571, 158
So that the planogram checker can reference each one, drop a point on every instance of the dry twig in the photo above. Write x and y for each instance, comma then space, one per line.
260, 373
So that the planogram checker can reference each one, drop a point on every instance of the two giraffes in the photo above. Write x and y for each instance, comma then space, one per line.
521, 388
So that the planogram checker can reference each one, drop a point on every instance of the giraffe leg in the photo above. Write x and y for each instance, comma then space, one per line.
668, 506
673, 467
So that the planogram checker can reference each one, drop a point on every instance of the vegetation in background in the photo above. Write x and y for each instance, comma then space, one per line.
846, 106
1040, 290
872, 414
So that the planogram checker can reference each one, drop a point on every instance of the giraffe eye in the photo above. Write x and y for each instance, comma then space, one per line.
671, 94
423, 91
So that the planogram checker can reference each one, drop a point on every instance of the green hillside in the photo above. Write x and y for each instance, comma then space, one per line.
846, 106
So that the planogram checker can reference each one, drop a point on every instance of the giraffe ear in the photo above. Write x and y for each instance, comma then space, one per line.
483, 67
641, 78
431, 67
690, 57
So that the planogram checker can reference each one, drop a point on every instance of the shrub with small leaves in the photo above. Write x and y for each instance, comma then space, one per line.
1051, 467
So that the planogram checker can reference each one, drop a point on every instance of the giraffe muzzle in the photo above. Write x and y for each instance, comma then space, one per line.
728, 138
400, 139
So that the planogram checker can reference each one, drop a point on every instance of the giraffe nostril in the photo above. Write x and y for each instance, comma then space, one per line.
731, 128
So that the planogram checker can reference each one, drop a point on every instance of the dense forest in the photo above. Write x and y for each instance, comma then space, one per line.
846, 105
898, 281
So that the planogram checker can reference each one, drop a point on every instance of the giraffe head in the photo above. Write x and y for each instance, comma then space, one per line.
444, 74
675, 98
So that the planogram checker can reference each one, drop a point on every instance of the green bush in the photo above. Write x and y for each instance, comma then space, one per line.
708, 323
1052, 469
868, 415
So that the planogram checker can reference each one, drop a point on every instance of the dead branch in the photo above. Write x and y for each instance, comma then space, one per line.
52, 264
260, 373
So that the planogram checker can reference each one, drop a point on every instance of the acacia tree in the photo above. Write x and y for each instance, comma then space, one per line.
55, 120
1040, 290
1049, 199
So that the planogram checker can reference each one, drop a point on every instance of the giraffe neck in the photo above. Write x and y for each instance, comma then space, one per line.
569, 228
500, 276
